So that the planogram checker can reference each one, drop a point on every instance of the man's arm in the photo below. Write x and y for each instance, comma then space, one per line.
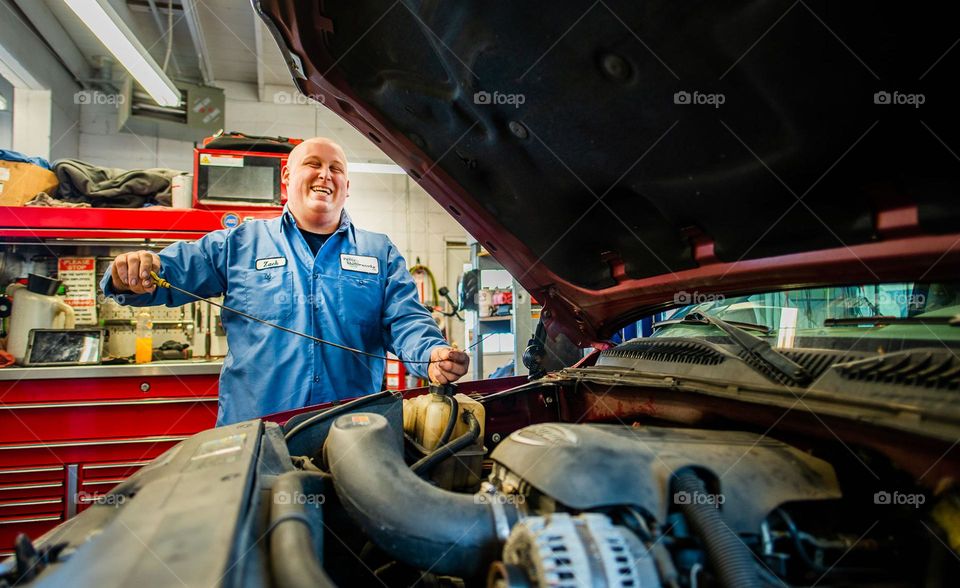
199, 267
410, 331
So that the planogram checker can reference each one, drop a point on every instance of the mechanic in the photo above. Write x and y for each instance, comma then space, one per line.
310, 270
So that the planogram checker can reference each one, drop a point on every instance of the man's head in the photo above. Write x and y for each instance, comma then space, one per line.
317, 183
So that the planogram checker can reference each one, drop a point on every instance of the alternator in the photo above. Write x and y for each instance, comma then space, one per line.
560, 551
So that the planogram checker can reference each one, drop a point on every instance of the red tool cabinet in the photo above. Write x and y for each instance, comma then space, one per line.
70, 434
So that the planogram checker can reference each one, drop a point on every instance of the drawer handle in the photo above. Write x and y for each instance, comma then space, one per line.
31, 486
30, 503
30, 520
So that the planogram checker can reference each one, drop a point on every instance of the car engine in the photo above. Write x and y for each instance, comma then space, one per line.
612, 505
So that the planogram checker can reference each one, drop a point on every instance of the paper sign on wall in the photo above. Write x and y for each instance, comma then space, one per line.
79, 276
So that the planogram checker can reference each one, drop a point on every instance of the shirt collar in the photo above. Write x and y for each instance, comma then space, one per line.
290, 223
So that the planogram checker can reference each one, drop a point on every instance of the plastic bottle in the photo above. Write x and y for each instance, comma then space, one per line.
144, 343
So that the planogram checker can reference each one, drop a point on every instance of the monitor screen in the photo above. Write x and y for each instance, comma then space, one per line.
251, 182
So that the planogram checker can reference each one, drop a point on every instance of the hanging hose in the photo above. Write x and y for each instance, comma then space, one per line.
452, 421
732, 561
424, 466
433, 281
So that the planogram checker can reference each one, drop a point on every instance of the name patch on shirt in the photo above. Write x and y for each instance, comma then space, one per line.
360, 263
269, 262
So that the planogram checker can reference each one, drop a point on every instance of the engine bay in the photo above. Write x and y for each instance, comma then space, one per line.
631, 495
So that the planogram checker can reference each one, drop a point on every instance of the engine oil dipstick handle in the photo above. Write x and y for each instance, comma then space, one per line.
163, 283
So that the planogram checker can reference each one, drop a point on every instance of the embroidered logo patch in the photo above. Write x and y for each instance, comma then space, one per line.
360, 263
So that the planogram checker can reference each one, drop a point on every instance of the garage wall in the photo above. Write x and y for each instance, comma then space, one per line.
28, 54
385, 203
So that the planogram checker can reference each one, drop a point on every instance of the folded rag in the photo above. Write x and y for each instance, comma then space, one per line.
44, 199
112, 187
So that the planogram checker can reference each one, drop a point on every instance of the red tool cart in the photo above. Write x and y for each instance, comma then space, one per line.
69, 434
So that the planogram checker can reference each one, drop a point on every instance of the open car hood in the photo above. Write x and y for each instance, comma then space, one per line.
621, 157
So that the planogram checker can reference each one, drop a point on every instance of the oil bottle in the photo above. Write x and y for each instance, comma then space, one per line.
144, 342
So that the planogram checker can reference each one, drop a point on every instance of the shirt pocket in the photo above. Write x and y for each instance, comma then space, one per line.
362, 300
266, 294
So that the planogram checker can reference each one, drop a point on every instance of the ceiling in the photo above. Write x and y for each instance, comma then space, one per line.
213, 40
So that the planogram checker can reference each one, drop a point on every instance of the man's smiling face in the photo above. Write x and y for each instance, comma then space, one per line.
317, 183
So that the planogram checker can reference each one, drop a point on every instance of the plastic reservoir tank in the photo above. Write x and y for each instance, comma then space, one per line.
425, 418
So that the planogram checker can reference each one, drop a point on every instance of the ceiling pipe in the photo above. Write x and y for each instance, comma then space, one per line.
163, 31
192, 16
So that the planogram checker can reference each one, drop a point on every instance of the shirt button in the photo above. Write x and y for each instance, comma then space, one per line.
316, 276
316, 378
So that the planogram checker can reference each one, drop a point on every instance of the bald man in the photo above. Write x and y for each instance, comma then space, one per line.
310, 270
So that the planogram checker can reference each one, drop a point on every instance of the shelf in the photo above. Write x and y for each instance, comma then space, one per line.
493, 319
159, 223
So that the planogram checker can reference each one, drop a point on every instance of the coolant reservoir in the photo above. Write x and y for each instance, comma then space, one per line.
425, 418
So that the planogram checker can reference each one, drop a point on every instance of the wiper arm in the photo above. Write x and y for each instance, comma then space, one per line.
696, 318
760, 350
953, 321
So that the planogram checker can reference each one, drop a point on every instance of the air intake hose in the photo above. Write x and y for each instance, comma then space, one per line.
296, 530
730, 557
407, 517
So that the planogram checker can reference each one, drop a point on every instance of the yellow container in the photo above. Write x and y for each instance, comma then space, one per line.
144, 350
144, 341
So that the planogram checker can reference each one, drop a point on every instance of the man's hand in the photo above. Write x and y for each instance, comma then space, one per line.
447, 365
130, 272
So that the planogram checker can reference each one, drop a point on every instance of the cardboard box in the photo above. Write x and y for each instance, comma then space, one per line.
20, 182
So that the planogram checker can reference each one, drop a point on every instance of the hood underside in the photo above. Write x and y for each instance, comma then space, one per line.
616, 154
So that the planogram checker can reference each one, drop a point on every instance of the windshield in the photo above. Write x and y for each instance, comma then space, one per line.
869, 317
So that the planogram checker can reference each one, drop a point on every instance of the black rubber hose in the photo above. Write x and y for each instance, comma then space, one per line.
424, 466
731, 559
296, 530
337, 411
426, 527
452, 421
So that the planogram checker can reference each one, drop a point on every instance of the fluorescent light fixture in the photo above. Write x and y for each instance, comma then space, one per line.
375, 168
3, 102
107, 25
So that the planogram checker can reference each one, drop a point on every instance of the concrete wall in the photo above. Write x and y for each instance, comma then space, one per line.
6, 116
385, 203
39, 70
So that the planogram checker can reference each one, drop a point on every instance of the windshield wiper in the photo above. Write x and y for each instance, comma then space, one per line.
953, 321
696, 318
757, 348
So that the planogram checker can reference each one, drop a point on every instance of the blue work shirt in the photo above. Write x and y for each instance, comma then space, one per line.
356, 292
